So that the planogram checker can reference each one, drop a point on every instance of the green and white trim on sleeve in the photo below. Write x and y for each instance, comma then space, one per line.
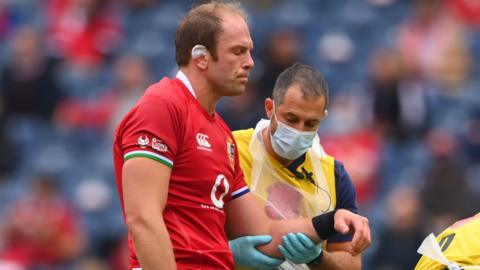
147, 154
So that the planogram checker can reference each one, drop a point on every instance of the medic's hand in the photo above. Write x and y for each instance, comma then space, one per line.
298, 248
349, 222
245, 252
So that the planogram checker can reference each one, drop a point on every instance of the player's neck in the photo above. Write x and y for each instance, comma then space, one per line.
204, 95
268, 147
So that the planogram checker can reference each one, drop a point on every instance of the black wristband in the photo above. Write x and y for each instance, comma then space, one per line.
317, 261
324, 224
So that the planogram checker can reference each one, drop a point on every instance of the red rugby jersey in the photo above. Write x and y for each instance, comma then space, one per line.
169, 125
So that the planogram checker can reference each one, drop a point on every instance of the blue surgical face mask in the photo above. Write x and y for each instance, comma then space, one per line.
290, 143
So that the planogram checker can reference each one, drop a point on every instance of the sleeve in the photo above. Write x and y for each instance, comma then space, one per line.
346, 198
153, 132
240, 188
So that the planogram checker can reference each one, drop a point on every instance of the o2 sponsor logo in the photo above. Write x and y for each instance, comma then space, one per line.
217, 198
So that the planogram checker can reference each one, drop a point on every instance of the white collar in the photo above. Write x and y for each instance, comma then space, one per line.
182, 77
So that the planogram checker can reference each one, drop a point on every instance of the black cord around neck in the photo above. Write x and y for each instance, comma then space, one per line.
298, 175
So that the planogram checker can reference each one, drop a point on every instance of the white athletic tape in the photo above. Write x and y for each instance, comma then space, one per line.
198, 51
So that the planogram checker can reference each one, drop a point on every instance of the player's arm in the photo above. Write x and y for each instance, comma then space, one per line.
145, 189
245, 217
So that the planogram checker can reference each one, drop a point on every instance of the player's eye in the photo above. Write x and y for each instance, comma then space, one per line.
238, 51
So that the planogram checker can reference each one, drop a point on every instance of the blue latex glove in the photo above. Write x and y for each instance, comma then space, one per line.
245, 252
298, 248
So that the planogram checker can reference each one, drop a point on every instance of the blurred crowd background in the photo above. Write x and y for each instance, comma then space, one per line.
404, 114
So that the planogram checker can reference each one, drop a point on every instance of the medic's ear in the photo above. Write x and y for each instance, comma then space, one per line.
198, 55
269, 107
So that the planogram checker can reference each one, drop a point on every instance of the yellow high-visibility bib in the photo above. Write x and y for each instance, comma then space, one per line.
280, 192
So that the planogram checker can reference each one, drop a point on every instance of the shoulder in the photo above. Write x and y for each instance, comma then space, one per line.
223, 124
242, 139
345, 190
243, 136
459, 243
467, 228
162, 101
166, 91
333, 166
341, 174
339, 167
165, 96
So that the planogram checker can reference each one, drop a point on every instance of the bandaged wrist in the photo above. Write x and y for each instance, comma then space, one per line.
324, 224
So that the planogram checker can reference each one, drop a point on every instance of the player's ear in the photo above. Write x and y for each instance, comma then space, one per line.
269, 107
200, 56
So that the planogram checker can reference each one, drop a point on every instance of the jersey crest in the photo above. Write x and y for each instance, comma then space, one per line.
231, 151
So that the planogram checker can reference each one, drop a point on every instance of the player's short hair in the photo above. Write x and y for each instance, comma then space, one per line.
310, 81
202, 26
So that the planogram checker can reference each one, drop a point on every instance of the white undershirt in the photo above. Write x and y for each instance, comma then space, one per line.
182, 77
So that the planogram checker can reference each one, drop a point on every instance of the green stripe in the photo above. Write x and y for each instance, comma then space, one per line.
164, 162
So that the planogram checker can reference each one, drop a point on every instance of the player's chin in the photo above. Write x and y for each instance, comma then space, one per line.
237, 90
